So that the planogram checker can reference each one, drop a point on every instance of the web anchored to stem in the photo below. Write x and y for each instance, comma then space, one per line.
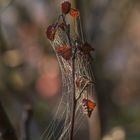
73, 54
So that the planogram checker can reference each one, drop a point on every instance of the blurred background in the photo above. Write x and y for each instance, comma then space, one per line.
30, 78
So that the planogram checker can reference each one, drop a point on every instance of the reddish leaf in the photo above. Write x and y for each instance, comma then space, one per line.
88, 106
91, 105
65, 7
50, 32
74, 12
65, 52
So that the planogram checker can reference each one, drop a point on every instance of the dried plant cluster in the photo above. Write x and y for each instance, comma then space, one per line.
73, 54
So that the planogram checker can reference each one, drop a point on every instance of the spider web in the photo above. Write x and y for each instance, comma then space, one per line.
59, 127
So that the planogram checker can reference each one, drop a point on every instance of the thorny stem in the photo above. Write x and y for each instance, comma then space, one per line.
74, 101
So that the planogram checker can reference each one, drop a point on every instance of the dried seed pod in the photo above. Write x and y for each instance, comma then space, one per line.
74, 12
65, 7
65, 52
51, 32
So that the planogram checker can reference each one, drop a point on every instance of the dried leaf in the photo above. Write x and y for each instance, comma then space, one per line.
51, 32
65, 52
86, 48
65, 7
74, 12
88, 106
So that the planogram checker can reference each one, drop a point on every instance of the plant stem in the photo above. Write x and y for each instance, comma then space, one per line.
74, 101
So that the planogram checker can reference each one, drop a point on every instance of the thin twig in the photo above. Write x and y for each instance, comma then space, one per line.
82, 90
74, 101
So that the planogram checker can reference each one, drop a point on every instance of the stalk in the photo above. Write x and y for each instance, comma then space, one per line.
74, 101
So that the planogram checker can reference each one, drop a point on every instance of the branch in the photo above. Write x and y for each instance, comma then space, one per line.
73, 96
80, 93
